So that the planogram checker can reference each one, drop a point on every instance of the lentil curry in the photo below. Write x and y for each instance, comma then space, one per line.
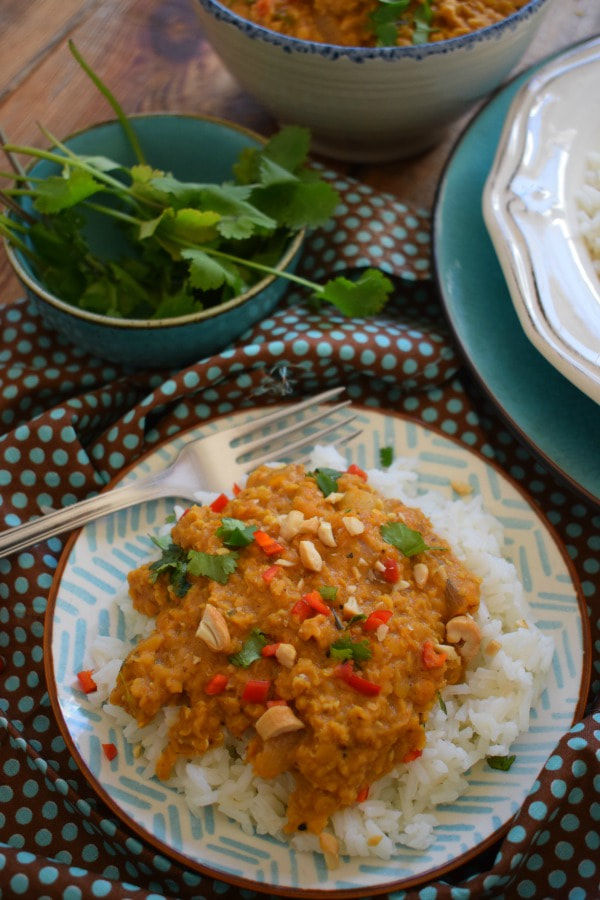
369, 23
312, 616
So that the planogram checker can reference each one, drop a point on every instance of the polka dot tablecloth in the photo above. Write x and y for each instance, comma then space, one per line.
69, 423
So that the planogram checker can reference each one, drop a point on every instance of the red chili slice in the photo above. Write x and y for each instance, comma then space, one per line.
355, 470
391, 570
270, 573
411, 755
346, 672
216, 685
110, 751
266, 543
376, 618
432, 658
219, 503
269, 650
256, 691
315, 601
362, 794
236, 489
88, 685
301, 610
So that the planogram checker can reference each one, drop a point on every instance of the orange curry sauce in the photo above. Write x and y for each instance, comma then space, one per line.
317, 581
348, 22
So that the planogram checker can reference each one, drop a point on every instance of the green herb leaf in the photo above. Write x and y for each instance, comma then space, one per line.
442, 704
250, 651
385, 20
346, 648
327, 480
235, 532
216, 566
422, 20
386, 456
58, 192
405, 539
364, 297
502, 763
174, 562
328, 592
359, 617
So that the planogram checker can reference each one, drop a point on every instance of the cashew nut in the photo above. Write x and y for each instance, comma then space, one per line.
286, 655
421, 573
277, 720
353, 525
213, 629
310, 556
464, 630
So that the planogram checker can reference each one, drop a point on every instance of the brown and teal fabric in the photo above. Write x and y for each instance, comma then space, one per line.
70, 423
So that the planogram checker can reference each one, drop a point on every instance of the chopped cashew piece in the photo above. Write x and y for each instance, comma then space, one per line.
464, 630
334, 497
421, 573
291, 525
277, 720
331, 849
353, 525
286, 655
325, 534
213, 629
310, 556
351, 607
448, 651
311, 525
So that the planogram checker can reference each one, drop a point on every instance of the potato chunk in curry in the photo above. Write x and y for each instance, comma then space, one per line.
308, 614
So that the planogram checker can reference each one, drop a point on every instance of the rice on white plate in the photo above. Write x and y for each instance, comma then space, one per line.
476, 719
588, 208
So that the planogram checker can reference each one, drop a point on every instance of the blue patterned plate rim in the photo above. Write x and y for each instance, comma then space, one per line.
79, 607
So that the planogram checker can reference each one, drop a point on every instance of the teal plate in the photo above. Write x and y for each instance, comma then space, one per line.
557, 420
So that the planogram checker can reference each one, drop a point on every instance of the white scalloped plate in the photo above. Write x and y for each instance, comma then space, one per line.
530, 210
92, 573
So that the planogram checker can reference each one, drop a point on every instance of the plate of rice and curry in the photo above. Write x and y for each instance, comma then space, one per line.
334, 679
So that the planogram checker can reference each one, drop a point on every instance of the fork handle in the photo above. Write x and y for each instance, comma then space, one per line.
78, 514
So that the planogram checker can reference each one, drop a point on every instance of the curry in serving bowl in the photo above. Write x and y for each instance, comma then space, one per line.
370, 23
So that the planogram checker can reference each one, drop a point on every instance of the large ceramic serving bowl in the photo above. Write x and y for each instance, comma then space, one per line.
192, 148
369, 104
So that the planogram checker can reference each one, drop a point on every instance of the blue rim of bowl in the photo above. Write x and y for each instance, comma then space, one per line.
362, 54
206, 314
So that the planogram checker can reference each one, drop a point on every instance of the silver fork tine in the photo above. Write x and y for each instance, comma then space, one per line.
237, 431
301, 442
289, 429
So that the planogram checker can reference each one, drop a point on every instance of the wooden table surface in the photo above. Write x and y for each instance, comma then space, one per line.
154, 57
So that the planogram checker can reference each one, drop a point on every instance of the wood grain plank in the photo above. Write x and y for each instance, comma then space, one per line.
29, 31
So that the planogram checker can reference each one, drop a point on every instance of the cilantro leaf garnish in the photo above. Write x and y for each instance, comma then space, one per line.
346, 648
359, 617
327, 480
422, 20
365, 296
235, 532
502, 763
386, 456
384, 21
405, 539
328, 592
216, 566
250, 651
172, 561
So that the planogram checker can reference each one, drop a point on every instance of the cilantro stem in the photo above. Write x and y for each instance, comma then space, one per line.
62, 161
125, 124
259, 267
7, 230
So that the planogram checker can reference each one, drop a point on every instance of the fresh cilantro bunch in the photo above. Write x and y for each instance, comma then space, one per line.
189, 246
390, 15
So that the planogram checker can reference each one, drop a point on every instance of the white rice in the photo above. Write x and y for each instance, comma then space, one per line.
483, 716
588, 208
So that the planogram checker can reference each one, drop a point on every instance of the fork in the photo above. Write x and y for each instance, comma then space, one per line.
211, 463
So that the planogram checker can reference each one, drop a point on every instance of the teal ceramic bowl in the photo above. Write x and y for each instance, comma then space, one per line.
193, 149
